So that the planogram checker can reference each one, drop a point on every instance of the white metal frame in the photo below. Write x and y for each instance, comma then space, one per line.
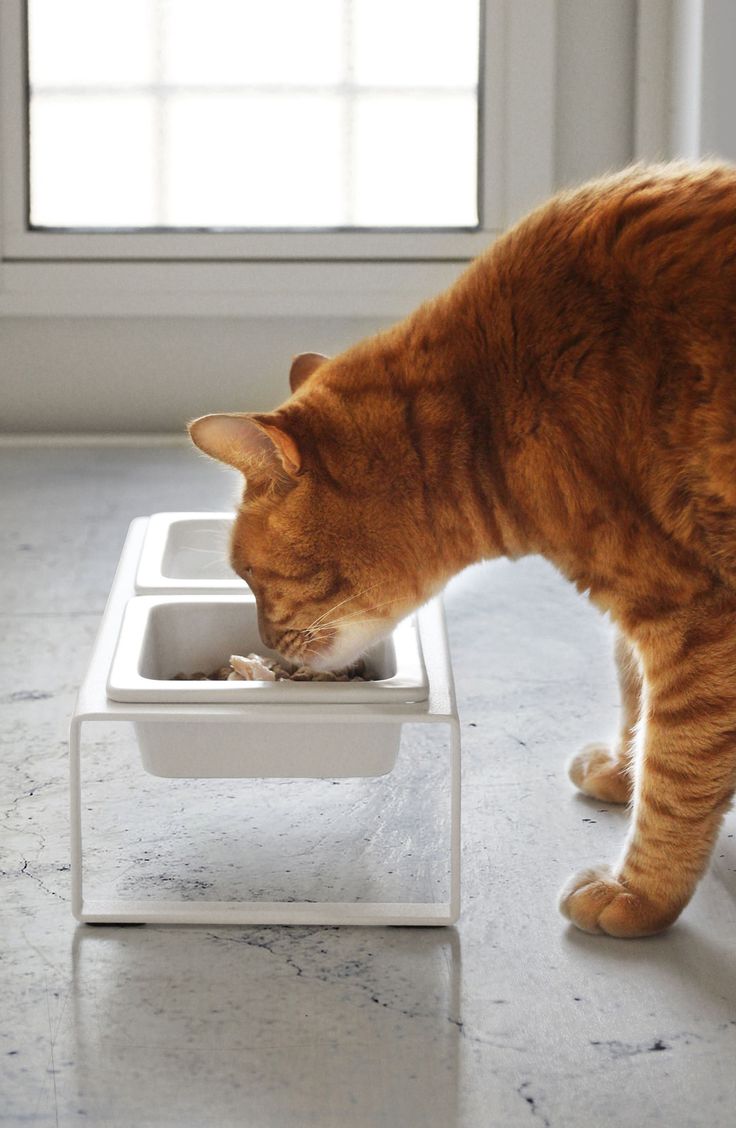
93, 705
295, 273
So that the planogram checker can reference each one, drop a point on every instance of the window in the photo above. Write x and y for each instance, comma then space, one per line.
234, 157
227, 114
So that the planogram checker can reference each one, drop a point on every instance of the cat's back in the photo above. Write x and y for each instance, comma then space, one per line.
649, 231
638, 267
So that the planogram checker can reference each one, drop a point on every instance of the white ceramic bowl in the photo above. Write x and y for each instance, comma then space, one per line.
188, 552
163, 635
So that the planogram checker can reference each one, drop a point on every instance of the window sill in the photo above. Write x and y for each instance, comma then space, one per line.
205, 289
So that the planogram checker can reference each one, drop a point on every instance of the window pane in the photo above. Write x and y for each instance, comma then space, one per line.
429, 43
80, 43
402, 176
245, 114
218, 42
222, 161
94, 160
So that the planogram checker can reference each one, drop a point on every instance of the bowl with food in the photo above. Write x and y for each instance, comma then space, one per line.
205, 651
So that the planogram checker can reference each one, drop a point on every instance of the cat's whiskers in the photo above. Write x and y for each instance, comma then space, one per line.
197, 548
220, 557
358, 614
326, 629
342, 602
327, 633
216, 563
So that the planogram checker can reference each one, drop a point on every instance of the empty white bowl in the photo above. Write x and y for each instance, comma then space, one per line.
188, 552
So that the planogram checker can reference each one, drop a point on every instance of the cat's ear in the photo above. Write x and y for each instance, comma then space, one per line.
284, 445
303, 366
250, 443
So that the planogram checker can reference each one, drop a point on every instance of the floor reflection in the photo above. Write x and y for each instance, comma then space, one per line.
287, 1026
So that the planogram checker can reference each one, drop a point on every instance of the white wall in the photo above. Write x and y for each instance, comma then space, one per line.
718, 114
133, 374
109, 374
596, 61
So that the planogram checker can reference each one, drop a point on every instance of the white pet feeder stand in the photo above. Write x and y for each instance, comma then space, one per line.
93, 704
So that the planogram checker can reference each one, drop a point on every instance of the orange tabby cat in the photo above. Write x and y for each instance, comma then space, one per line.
572, 394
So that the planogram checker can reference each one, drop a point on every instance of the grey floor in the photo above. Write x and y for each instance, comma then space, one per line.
509, 1019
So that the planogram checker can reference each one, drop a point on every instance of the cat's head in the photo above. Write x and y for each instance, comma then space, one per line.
327, 533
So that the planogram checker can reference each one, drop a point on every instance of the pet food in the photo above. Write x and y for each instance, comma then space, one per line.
253, 667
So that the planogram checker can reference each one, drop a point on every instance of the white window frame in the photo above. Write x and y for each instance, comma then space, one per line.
335, 273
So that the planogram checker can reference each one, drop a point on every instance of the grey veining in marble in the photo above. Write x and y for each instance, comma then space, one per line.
509, 1019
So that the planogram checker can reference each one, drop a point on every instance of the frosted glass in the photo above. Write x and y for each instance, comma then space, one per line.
416, 42
273, 159
235, 42
88, 42
408, 155
249, 114
93, 161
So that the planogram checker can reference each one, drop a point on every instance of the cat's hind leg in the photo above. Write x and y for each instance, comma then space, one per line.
597, 770
684, 778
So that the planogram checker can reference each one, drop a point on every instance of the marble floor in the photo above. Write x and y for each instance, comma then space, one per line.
511, 1018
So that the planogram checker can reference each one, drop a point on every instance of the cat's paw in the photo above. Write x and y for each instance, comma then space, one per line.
597, 772
596, 901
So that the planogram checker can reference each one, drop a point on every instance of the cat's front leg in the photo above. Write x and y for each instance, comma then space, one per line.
684, 776
596, 770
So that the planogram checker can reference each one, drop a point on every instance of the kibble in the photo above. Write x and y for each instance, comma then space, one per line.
254, 667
